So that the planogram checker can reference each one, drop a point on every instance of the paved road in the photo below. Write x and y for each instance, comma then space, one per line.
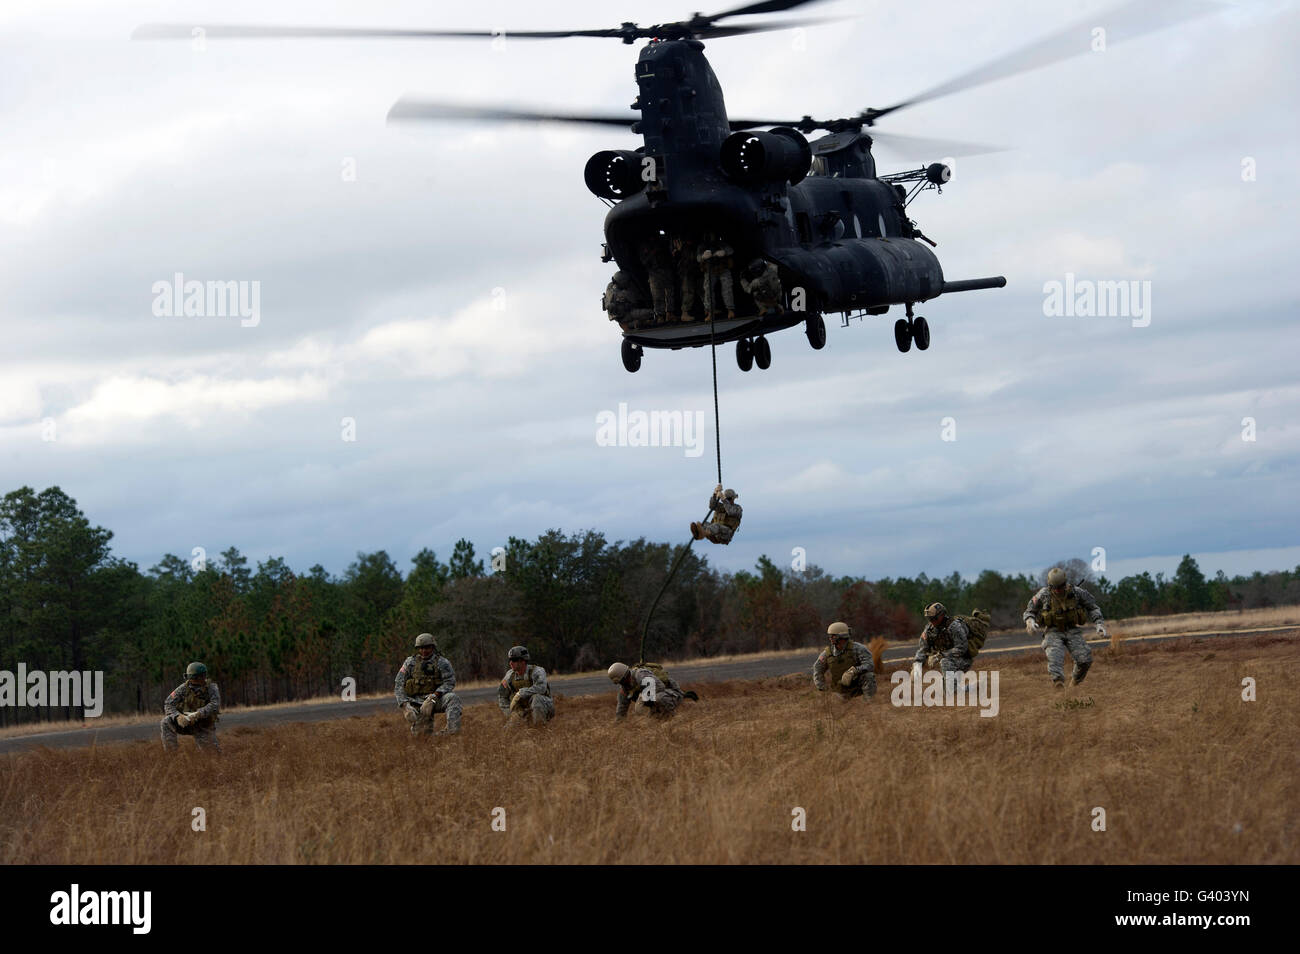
686, 674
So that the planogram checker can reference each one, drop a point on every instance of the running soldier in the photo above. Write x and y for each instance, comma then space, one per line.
1058, 611
524, 691
424, 687
849, 664
193, 708
726, 518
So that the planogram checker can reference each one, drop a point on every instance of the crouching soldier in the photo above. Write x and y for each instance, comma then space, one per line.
945, 640
618, 300
649, 688
1057, 611
762, 283
524, 691
424, 687
193, 708
849, 664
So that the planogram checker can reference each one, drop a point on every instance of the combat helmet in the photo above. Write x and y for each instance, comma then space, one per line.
426, 639
1056, 576
517, 652
195, 669
618, 672
935, 612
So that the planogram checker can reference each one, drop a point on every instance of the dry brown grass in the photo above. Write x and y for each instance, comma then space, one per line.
1222, 622
1186, 771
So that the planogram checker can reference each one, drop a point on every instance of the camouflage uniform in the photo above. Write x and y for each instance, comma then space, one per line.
618, 299
951, 643
534, 691
725, 522
661, 703
686, 260
855, 655
1061, 618
204, 700
715, 262
422, 679
765, 289
658, 264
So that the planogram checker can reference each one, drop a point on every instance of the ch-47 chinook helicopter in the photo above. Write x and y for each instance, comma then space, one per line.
838, 233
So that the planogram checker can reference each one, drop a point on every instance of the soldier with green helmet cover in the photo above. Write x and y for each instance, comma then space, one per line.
424, 687
524, 694
848, 663
1058, 611
193, 708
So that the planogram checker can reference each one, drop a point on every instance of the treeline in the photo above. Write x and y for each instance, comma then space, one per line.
577, 601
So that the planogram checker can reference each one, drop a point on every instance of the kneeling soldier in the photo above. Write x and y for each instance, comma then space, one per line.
424, 687
946, 637
849, 664
524, 690
193, 708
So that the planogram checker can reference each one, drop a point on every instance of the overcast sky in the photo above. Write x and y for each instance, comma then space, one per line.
439, 286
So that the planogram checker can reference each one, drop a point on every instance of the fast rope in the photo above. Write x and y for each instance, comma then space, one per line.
717, 435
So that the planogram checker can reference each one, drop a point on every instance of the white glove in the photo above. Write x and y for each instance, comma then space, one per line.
850, 674
426, 707
183, 720
1101, 630
1032, 627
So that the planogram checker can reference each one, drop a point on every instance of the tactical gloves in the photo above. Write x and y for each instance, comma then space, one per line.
411, 713
1101, 630
426, 707
850, 674
1031, 626
516, 701
183, 720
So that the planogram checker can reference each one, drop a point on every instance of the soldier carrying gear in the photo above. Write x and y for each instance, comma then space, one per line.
726, 518
945, 636
715, 263
524, 691
1058, 611
424, 687
650, 687
849, 664
619, 299
762, 283
686, 260
193, 708
658, 262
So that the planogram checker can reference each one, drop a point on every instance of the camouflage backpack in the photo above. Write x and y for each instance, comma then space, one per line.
977, 624
657, 670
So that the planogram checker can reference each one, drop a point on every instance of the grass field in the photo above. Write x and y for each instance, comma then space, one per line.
1158, 736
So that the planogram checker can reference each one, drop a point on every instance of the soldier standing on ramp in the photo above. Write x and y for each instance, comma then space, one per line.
193, 708
658, 262
1058, 610
524, 691
849, 663
424, 687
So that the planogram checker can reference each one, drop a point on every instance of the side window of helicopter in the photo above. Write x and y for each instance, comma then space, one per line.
818, 167
805, 229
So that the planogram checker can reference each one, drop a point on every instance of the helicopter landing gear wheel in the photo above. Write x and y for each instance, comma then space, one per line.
903, 335
815, 329
920, 333
744, 354
631, 355
762, 354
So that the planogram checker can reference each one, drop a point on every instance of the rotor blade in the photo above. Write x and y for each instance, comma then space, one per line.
932, 148
711, 33
244, 31
767, 6
408, 108
1124, 22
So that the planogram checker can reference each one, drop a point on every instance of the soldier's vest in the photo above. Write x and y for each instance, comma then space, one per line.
524, 681
194, 699
1063, 613
837, 666
725, 519
424, 677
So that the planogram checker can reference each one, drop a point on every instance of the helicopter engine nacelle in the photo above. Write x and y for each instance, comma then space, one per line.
617, 173
938, 173
781, 155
